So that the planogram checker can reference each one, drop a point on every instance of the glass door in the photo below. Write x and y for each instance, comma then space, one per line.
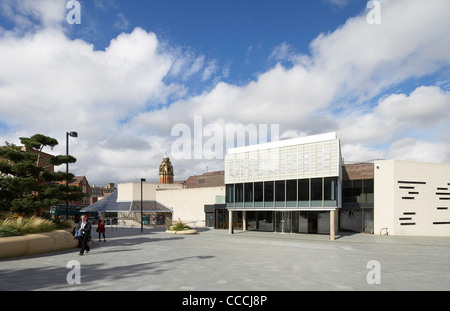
277, 221
312, 222
283, 222
287, 224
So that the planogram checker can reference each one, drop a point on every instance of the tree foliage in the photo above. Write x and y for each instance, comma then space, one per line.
25, 183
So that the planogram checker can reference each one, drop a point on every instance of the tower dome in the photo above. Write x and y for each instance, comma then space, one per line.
166, 171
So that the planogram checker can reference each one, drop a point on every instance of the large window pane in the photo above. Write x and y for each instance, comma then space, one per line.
357, 191
268, 191
239, 192
259, 191
248, 192
291, 190
316, 189
303, 189
230, 194
347, 195
368, 189
280, 190
330, 189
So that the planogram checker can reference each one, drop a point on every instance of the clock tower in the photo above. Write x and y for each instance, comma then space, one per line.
166, 171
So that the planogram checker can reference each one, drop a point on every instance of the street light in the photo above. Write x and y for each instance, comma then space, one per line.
142, 211
74, 135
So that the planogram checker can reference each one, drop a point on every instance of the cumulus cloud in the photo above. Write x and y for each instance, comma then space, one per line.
55, 77
397, 120
333, 88
425, 109
125, 100
50, 84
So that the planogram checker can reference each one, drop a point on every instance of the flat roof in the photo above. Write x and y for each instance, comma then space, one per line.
285, 143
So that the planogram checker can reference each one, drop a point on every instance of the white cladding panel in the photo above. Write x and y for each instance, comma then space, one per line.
307, 160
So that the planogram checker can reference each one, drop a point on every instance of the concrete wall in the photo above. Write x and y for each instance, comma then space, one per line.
412, 198
189, 204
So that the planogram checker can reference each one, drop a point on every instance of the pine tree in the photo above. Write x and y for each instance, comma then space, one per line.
27, 185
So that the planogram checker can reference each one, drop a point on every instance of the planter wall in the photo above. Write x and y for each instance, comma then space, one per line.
34, 244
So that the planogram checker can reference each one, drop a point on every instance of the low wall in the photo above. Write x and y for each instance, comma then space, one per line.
192, 231
34, 244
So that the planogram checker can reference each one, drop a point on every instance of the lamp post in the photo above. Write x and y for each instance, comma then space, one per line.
142, 210
74, 135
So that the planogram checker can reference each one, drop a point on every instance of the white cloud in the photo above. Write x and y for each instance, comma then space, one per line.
347, 67
210, 69
339, 3
51, 75
121, 23
419, 150
120, 102
425, 109
51, 84
49, 13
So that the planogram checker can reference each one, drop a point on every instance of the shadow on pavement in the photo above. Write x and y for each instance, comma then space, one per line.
48, 278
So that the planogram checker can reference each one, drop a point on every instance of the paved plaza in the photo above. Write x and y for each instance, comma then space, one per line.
213, 260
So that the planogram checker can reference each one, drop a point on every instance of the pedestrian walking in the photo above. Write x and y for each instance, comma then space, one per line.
101, 229
84, 227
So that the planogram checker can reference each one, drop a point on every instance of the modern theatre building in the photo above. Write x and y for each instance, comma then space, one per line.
299, 185
286, 186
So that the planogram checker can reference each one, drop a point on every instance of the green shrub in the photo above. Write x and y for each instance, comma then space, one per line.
6, 231
28, 225
179, 226
64, 224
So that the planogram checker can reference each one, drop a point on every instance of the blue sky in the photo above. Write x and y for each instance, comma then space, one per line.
133, 70
239, 35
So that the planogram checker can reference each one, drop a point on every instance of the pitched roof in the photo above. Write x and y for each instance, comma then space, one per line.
110, 204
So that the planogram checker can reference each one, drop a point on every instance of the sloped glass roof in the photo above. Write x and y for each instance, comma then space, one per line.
110, 204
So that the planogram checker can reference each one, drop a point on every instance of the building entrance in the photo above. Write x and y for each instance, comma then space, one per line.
312, 222
289, 221
284, 222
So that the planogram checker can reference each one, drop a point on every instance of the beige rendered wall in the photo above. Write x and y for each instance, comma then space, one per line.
132, 191
384, 197
411, 198
189, 204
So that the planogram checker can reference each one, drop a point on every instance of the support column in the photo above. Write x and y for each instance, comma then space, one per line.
332, 225
230, 222
244, 220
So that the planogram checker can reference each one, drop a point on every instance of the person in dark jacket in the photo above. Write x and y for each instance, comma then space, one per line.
85, 227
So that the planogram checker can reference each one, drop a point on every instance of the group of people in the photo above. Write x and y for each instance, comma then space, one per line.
84, 226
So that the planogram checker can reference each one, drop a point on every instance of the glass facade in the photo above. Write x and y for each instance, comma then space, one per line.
239, 195
359, 191
294, 193
303, 192
288, 221
268, 193
248, 192
221, 219
286, 186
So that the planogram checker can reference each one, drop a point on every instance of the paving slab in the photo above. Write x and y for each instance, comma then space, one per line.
213, 260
